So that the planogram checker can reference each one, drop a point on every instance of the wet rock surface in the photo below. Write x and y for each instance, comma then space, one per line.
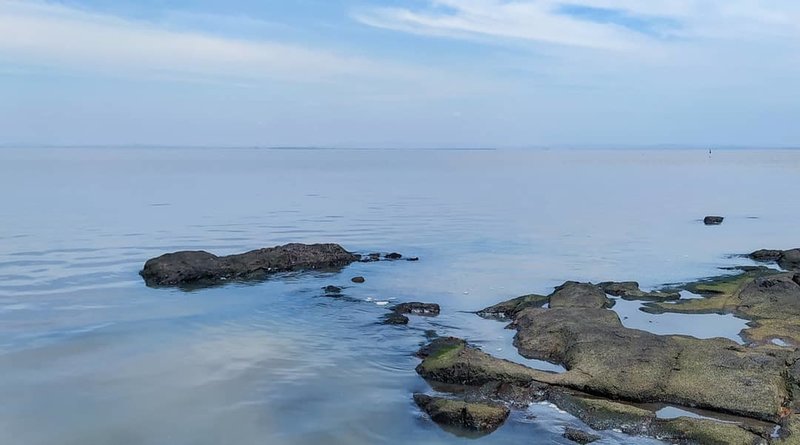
480, 417
580, 436
200, 267
713, 220
358, 280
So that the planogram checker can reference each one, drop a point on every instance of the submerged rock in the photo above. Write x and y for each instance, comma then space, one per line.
394, 318
508, 309
629, 290
713, 220
331, 289
200, 267
393, 256
579, 436
417, 308
481, 417
358, 280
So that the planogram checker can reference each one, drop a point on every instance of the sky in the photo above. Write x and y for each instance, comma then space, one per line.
390, 73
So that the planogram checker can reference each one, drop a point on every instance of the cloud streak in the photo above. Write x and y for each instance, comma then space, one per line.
51, 35
619, 25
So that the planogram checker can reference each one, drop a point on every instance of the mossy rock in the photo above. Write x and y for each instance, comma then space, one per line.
480, 417
686, 430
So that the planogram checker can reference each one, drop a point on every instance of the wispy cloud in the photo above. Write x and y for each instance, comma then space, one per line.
594, 24
53, 35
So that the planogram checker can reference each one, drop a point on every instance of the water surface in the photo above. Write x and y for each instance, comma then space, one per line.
88, 354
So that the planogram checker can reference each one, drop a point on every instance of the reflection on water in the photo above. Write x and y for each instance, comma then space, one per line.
88, 354
695, 325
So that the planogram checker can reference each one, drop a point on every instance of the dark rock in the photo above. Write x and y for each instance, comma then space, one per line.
416, 308
584, 295
358, 279
394, 318
331, 289
790, 260
481, 417
393, 256
375, 255
766, 255
413, 258
199, 267
629, 290
578, 436
713, 220
507, 309
796, 278
787, 259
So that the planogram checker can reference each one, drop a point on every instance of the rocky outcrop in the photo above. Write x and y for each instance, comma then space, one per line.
787, 259
579, 295
200, 267
480, 417
605, 358
713, 220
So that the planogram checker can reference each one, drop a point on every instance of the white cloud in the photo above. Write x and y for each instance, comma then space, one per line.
540, 21
51, 35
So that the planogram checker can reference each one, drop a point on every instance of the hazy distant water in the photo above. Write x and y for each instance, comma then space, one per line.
88, 354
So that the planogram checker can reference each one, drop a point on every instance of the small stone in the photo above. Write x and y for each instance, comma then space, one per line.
358, 279
413, 258
393, 256
578, 436
713, 220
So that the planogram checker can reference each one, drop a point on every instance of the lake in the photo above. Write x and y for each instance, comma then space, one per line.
89, 354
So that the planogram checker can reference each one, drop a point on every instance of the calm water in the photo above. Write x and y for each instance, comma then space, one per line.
88, 354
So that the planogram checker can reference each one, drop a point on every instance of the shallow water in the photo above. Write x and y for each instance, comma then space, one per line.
88, 354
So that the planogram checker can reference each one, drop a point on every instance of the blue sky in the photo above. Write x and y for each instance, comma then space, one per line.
384, 73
